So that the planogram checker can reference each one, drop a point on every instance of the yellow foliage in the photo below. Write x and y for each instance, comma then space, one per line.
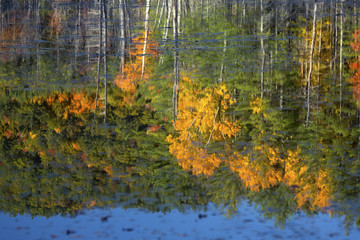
92, 203
323, 29
108, 170
203, 109
258, 173
32, 135
192, 157
200, 119
131, 74
76, 146
255, 105
71, 103
313, 188
57, 130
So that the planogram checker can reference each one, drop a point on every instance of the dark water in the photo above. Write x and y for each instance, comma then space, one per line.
247, 117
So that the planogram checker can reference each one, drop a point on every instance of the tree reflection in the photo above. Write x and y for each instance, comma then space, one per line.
247, 125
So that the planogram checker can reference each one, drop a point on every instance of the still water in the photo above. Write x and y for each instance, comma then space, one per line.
180, 119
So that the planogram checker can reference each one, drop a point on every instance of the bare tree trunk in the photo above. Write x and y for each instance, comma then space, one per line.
1, 16
166, 23
335, 44
319, 66
262, 48
221, 77
243, 12
179, 16
202, 9
99, 57
78, 33
355, 17
128, 27
207, 10
122, 32
276, 29
341, 51
105, 56
146, 37
311, 64
176, 55
157, 25
157, 8
38, 37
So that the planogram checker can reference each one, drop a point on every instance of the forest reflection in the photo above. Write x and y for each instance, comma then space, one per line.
244, 101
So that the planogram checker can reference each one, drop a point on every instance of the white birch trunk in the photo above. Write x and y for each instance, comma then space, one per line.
146, 37
311, 65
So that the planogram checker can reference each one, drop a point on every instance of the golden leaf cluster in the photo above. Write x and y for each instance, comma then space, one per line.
201, 119
131, 74
77, 103
355, 79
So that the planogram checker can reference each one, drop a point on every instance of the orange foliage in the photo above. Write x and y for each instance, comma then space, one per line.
8, 134
312, 188
258, 173
256, 105
129, 78
32, 135
192, 157
153, 129
75, 146
200, 119
355, 79
92, 203
57, 130
108, 170
71, 103
204, 109
324, 29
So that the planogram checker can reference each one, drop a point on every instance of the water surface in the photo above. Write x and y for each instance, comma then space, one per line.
244, 117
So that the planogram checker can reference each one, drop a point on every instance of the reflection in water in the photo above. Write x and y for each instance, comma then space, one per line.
355, 79
265, 111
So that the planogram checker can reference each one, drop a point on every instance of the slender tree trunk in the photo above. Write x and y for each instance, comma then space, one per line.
276, 28
122, 32
105, 56
335, 45
262, 48
157, 25
243, 12
355, 18
176, 55
341, 52
1, 16
202, 9
319, 67
332, 27
78, 33
128, 25
157, 8
99, 57
207, 10
221, 77
167, 20
311, 64
179, 15
146, 37
166, 23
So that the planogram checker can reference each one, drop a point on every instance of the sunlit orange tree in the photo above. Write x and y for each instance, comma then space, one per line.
200, 121
131, 77
355, 65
